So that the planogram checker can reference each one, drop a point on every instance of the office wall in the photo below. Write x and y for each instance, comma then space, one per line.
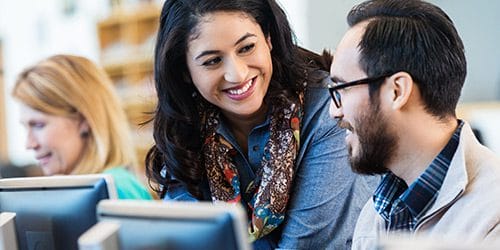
476, 21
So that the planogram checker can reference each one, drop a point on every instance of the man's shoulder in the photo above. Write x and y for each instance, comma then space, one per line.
367, 214
483, 168
367, 227
476, 210
478, 158
483, 173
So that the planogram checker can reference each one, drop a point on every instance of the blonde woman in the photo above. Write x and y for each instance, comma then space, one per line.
75, 122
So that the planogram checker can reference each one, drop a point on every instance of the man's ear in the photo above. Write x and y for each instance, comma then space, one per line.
400, 89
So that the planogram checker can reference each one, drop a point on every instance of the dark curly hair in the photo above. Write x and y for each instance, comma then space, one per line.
176, 156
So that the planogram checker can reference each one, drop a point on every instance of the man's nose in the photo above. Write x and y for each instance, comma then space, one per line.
334, 111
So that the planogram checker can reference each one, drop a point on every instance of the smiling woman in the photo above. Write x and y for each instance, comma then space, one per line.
75, 122
240, 118
58, 141
229, 61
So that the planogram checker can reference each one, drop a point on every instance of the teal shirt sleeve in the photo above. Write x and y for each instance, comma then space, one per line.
127, 185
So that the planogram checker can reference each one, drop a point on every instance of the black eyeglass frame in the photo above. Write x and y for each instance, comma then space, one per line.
334, 90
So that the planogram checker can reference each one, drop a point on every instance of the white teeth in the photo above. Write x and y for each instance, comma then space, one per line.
242, 90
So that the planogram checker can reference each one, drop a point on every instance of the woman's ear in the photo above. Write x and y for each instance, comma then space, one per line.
186, 77
401, 88
269, 43
84, 128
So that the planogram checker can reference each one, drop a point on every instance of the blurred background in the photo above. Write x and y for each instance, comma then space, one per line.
120, 34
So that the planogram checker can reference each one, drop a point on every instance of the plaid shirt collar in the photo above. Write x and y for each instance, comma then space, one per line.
402, 206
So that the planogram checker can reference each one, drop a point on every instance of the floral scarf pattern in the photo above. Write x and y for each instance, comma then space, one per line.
270, 190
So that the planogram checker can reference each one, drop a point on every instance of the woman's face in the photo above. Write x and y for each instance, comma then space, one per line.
229, 60
56, 140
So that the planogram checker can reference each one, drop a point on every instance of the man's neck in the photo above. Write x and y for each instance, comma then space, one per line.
420, 143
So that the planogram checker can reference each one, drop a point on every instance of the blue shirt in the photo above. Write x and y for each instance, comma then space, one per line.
326, 197
401, 206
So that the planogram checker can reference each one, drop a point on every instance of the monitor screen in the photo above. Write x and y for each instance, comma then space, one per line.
167, 225
52, 212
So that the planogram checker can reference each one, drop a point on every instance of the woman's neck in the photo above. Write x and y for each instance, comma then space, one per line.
241, 126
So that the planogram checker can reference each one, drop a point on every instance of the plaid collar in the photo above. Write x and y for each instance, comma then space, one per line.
402, 206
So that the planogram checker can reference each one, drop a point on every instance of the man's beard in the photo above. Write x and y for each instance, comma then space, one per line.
377, 145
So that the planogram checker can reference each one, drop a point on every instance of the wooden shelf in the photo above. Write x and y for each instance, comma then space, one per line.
131, 26
132, 71
3, 117
467, 110
126, 40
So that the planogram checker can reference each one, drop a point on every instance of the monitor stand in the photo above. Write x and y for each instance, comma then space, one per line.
102, 236
8, 239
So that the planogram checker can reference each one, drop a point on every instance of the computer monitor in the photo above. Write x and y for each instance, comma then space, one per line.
51, 212
133, 225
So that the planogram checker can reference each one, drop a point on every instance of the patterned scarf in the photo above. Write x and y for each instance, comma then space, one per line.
270, 190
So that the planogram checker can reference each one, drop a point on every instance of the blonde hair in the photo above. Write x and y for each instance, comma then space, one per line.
73, 87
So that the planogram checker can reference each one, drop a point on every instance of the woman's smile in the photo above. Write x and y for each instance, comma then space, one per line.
242, 91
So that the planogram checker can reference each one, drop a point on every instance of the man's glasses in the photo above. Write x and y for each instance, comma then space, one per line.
334, 90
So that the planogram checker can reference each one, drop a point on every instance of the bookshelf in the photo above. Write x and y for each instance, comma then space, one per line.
3, 117
126, 41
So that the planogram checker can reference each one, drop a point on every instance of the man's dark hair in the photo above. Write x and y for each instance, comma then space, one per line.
418, 38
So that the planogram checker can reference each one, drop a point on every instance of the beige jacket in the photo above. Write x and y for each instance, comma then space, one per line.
467, 207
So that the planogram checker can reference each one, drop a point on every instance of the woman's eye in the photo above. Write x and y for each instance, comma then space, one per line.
247, 48
37, 125
212, 61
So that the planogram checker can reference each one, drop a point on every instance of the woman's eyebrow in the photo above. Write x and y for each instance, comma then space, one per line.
209, 52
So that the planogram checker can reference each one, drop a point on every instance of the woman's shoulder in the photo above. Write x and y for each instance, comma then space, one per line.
119, 171
317, 102
127, 184
317, 97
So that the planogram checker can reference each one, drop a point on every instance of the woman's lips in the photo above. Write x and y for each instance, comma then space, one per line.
243, 91
43, 159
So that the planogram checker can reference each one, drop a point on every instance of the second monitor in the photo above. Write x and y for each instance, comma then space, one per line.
50, 212
131, 225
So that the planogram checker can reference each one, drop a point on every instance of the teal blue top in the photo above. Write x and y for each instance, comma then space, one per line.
127, 185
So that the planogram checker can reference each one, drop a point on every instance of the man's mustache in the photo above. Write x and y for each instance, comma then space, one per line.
345, 125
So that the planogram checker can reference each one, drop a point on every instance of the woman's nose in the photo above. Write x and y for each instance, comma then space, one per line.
236, 70
31, 142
